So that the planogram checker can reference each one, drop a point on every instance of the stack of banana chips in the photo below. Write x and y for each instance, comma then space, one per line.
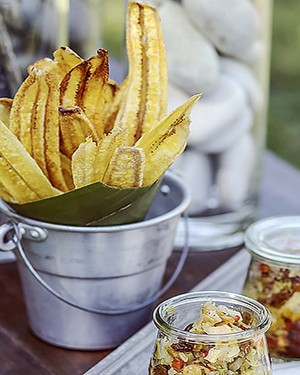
76, 148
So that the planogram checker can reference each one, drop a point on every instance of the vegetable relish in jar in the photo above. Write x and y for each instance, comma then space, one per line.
210, 333
274, 279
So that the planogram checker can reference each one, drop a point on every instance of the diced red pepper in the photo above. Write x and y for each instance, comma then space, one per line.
264, 268
271, 341
236, 318
177, 363
288, 323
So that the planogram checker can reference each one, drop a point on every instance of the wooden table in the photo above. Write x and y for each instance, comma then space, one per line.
22, 353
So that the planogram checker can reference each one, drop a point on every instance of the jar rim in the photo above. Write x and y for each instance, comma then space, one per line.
215, 296
261, 237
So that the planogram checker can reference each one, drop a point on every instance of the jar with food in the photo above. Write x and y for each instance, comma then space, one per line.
274, 279
210, 333
222, 49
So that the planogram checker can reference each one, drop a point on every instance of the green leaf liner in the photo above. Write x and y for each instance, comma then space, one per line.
96, 204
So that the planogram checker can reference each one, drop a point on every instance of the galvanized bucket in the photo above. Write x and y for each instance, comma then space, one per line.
92, 287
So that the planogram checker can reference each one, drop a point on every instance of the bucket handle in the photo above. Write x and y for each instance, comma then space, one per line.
15, 242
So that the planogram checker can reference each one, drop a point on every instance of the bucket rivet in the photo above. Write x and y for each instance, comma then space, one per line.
34, 234
165, 189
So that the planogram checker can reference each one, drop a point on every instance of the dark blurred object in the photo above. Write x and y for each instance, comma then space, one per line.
95, 24
30, 30
33, 29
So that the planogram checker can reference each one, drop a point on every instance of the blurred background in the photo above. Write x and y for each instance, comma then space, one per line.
284, 111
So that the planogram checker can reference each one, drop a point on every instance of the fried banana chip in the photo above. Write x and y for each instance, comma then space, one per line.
5, 108
105, 151
66, 167
34, 120
75, 127
163, 143
14, 184
44, 65
21, 114
112, 108
22, 164
126, 168
4, 194
84, 86
145, 100
110, 92
64, 60
45, 130
83, 161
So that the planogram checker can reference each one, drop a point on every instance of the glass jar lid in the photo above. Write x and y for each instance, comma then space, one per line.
171, 315
275, 238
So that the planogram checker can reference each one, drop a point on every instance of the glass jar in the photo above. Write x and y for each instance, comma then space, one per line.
222, 49
178, 351
274, 279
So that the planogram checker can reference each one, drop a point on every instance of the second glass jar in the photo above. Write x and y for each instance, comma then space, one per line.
180, 351
274, 279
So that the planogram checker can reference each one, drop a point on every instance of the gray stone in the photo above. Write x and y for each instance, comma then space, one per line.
217, 111
193, 63
236, 171
244, 75
195, 169
231, 25
230, 134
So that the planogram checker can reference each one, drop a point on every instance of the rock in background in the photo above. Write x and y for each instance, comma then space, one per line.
214, 47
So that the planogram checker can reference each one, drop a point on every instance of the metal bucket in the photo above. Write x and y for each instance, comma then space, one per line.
92, 287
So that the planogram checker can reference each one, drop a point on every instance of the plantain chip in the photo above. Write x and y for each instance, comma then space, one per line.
5, 108
64, 60
16, 158
84, 86
5, 194
51, 131
22, 110
83, 161
13, 183
105, 150
75, 127
127, 159
112, 109
144, 102
163, 143
67, 171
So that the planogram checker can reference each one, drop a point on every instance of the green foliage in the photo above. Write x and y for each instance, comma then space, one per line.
284, 113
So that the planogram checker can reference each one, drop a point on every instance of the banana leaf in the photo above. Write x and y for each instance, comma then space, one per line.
96, 204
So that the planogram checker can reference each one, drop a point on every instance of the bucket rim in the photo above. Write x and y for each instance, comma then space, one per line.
178, 210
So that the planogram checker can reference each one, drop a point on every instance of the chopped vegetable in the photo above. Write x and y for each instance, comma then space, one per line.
223, 357
279, 290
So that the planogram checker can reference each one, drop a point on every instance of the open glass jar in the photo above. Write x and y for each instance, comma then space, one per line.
220, 48
274, 279
180, 350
